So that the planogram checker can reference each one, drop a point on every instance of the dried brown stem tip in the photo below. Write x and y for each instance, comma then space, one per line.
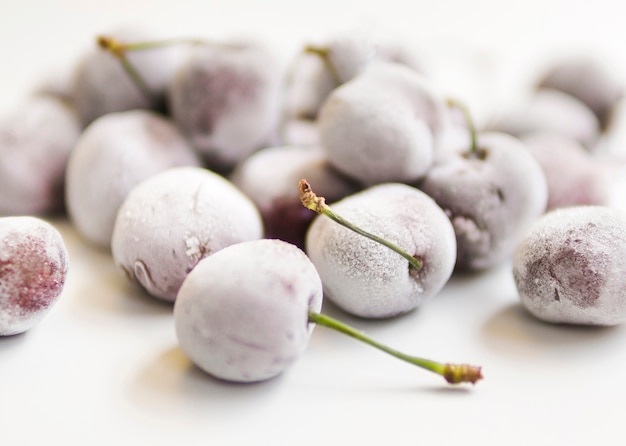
110, 44
309, 199
462, 373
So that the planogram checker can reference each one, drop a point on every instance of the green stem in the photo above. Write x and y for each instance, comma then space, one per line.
132, 72
453, 373
415, 263
140, 46
324, 54
318, 204
471, 127
119, 49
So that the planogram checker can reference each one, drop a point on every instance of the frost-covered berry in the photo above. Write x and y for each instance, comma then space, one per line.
570, 267
368, 279
172, 220
100, 84
588, 80
492, 193
114, 154
270, 176
36, 139
554, 111
574, 175
33, 267
242, 313
382, 126
226, 100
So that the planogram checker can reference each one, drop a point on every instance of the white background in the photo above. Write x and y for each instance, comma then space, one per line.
104, 368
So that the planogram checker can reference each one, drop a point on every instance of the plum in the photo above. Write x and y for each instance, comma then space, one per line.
570, 267
33, 267
172, 220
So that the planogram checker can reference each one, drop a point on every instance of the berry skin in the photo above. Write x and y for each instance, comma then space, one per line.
242, 314
574, 175
589, 81
553, 111
323, 66
226, 100
36, 139
33, 267
100, 84
382, 126
268, 178
114, 154
570, 267
172, 220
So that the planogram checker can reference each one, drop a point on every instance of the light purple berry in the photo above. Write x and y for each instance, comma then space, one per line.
172, 220
33, 268
570, 267
242, 314
370, 280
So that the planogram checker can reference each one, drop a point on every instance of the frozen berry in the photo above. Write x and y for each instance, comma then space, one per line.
382, 126
269, 177
368, 279
172, 220
36, 139
226, 100
570, 267
589, 81
552, 111
242, 313
33, 268
113, 154
574, 176
102, 85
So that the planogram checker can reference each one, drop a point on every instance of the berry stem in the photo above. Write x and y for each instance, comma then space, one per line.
324, 54
118, 50
471, 127
140, 46
318, 204
453, 373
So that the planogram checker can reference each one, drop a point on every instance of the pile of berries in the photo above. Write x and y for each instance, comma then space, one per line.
193, 163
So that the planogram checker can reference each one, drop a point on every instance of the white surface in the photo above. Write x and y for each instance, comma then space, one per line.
103, 368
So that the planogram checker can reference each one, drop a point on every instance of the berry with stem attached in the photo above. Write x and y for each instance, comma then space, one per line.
246, 313
492, 192
407, 255
112, 78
